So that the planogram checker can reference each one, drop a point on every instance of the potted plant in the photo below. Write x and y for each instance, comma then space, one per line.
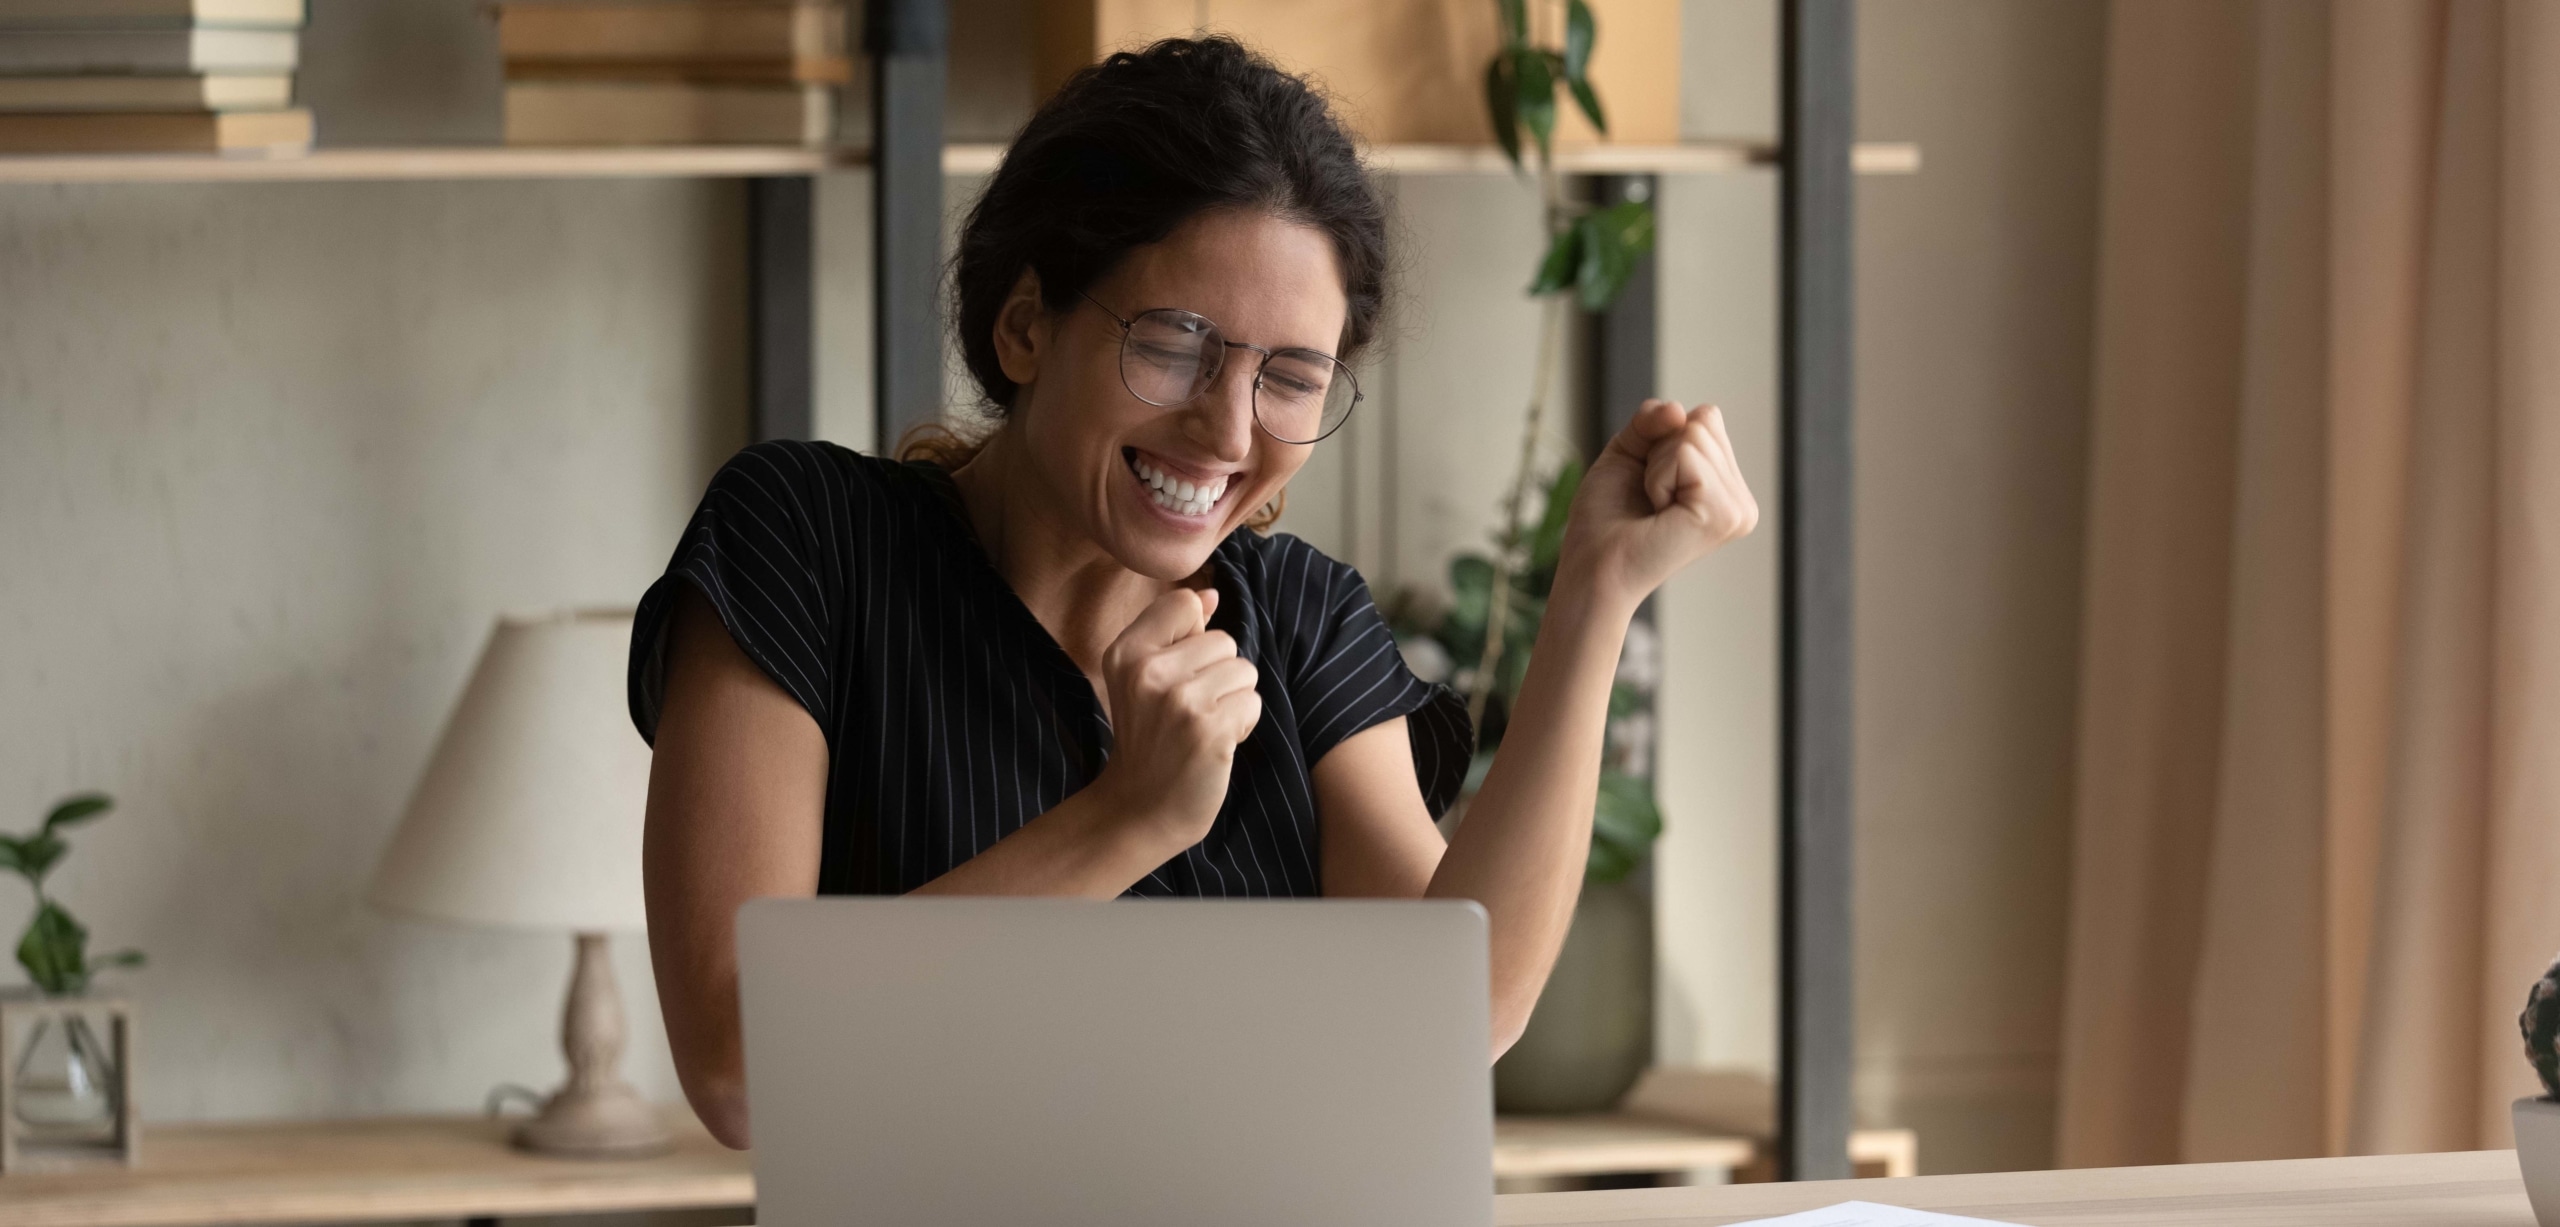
63, 1084
2537, 1119
1592, 1031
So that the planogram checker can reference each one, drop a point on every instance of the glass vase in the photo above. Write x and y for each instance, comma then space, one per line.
65, 1083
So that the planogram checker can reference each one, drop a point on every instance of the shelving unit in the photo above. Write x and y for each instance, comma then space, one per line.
1814, 159
745, 162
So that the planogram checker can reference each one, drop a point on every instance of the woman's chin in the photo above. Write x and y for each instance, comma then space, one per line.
1169, 561
1171, 553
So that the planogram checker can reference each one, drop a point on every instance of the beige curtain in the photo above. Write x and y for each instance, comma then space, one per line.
2317, 839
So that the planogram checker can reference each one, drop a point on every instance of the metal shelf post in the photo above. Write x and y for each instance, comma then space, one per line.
1816, 1029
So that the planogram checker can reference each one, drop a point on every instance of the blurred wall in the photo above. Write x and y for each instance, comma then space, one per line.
1976, 290
272, 458
1974, 282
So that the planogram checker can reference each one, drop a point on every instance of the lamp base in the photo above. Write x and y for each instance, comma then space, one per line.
610, 1123
596, 1115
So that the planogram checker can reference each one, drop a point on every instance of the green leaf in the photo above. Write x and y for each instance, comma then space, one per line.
1624, 700
1589, 100
1606, 863
1578, 35
79, 809
121, 958
1502, 103
1515, 20
1534, 76
1470, 604
1547, 544
38, 852
1556, 268
53, 951
1624, 824
1471, 584
10, 857
1614, 238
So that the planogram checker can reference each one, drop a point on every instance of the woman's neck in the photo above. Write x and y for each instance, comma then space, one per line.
1078, 591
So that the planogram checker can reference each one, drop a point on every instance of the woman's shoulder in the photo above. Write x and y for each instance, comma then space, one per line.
1285, 565
1299, 592
804, 464
815, 483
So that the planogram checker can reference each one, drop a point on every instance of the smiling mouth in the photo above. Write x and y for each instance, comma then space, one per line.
1180, 497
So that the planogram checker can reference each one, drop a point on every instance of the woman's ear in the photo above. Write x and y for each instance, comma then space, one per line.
1023, 327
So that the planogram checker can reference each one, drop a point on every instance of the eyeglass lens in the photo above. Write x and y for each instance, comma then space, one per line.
1170, 356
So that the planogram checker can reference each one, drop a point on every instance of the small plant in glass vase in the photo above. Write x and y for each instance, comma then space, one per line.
63, 1085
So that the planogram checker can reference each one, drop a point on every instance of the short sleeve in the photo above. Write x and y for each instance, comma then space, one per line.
761, 548
1347, 675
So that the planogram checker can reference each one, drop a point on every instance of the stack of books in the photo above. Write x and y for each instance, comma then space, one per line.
150, 76
672, 72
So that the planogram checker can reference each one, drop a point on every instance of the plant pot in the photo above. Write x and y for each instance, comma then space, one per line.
2538, 1155
67, 1081
64, 1086
1592, 1031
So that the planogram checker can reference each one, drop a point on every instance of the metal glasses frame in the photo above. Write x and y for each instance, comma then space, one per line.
1210, 375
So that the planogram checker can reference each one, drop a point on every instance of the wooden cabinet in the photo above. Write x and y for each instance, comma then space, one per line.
1405, 71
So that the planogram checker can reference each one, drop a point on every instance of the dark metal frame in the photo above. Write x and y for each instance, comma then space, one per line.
1816, 1025
907, 40
782, 366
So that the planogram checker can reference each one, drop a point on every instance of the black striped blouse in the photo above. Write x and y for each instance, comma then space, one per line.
951, 715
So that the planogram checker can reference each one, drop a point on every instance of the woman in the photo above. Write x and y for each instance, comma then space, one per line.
1066, 661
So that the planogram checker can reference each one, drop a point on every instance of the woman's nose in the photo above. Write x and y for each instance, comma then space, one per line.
1223, 416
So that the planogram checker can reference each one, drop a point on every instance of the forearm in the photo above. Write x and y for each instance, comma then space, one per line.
1527, 833
1080, 849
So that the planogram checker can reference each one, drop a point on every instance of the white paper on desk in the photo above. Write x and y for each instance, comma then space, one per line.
1869, 1214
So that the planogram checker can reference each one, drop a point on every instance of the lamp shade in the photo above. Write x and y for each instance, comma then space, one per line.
529, 814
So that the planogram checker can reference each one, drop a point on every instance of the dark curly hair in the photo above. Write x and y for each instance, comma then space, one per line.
1132, 147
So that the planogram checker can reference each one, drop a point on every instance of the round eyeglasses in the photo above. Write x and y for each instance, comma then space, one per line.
1169, 356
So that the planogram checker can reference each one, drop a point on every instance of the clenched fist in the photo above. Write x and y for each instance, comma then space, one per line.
1181, 702
1663, 493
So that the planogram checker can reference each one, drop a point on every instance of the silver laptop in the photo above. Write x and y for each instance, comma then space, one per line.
1001, 1062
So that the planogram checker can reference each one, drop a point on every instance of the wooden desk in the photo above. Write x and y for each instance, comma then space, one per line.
2480, 1189
393, 1168
444, 1167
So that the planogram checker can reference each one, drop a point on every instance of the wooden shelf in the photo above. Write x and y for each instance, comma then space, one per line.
343, 1171
733, 162
1622, 1143
455, 162
1688, 158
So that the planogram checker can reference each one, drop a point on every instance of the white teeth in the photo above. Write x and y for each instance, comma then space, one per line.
1176, 495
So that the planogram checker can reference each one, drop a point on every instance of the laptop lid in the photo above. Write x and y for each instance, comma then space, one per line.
926, 1062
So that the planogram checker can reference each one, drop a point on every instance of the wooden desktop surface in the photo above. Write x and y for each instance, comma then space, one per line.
446, 1167
2478, 1189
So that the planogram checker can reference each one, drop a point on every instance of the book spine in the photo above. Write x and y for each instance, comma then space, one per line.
680, 30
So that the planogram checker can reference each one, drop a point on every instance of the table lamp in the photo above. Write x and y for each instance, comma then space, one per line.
529, 817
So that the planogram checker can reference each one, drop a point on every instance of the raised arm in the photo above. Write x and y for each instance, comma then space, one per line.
1662, 494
